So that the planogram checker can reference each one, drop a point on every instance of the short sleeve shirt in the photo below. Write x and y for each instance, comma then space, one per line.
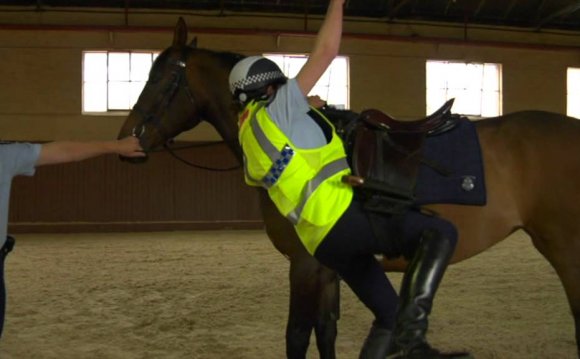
15, 159
289, 110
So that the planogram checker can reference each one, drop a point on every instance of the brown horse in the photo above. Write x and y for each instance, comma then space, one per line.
532, 170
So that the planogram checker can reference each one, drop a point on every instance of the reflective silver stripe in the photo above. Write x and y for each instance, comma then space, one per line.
263, 140
279, 158
257, 182
326, 172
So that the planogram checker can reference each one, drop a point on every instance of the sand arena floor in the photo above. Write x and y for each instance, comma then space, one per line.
224, 294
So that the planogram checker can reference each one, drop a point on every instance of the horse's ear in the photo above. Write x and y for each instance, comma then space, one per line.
180, 34
193, 42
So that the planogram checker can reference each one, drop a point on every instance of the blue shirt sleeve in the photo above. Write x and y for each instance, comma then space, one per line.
18, 159
15, 159
289, 110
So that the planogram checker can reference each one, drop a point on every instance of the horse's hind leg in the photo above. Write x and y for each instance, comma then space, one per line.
313, 305
569, 273
564, 259
570, 276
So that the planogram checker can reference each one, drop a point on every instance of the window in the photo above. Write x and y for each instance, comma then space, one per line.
573, 92
476, 87
112, 80
333, 86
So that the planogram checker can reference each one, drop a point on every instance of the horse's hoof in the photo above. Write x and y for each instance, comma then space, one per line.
428, 353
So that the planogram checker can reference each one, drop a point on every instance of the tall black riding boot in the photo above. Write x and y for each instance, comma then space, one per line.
377, 343
418, 289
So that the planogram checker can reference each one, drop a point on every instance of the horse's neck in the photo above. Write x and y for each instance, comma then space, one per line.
236, 149
227, 126
224, 117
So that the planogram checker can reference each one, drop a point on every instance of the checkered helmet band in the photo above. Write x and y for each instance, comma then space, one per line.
253, 73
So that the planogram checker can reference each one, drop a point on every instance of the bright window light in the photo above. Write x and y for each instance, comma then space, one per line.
333, 85
476, 87
113, 80
573, 92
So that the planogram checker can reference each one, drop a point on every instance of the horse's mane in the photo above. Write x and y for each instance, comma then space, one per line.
227, 57
337, 115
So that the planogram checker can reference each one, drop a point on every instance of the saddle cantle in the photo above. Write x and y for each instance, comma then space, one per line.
438, 122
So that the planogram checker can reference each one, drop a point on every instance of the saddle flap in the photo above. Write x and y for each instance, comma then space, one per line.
392, 162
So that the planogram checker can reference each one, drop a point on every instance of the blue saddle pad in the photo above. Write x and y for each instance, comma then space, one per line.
459, 152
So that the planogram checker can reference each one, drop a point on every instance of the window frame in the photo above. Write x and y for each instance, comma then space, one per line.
488, 88
292, 70
107, 52
573, 77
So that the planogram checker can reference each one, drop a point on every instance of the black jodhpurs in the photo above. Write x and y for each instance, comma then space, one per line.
350, 246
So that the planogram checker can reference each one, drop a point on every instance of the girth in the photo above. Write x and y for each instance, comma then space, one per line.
384, 154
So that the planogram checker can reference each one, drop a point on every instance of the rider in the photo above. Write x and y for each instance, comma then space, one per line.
293, 151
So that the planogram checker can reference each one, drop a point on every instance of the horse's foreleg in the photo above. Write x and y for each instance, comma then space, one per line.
313, 289
328, 312
313, 305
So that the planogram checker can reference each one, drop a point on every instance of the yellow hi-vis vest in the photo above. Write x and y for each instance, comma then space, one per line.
304, 184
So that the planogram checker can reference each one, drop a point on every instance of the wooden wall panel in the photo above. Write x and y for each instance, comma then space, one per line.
105, 194
229, 196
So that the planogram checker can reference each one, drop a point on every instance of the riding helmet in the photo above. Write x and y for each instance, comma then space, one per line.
252, 75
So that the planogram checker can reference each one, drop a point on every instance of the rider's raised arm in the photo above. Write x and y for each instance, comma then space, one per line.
325, 48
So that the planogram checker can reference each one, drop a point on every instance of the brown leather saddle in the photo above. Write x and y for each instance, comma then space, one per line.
385, 154
438, 122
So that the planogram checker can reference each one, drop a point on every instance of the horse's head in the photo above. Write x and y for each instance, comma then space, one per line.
186, 85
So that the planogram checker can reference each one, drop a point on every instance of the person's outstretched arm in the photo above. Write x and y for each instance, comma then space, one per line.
325, 48
71, 151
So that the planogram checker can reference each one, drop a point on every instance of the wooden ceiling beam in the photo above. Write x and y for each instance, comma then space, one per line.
540, 9
566, 10
509, 9
395, 10
448, 6
479, 8
415, 4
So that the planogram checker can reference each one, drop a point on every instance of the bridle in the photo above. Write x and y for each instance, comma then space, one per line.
179, 82
194, 165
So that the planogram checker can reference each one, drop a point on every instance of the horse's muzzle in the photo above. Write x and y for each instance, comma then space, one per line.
134, 160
